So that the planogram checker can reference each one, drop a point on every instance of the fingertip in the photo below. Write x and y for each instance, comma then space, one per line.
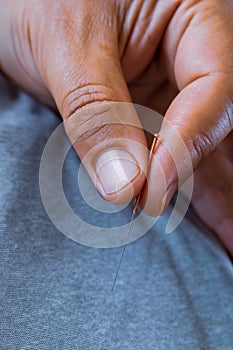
119, 177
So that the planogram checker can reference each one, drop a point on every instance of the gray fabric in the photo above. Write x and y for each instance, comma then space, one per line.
174, 291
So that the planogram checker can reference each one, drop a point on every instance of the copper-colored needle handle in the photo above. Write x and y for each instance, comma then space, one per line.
149, 163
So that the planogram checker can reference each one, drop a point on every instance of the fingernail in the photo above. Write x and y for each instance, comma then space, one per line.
116, 169
168, 196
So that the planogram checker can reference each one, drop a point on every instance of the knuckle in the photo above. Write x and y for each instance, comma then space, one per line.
201, 146
88, 114
229, 115
84, 96
94, 136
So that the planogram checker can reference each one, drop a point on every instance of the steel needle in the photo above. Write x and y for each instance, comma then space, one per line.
133, 214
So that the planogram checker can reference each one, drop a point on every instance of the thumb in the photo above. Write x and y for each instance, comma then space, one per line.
202, 117
108, 137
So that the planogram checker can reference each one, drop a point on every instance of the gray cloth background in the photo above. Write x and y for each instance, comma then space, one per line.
174, 291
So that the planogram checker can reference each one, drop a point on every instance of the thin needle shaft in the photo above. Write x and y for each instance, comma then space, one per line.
133, 215
123, 251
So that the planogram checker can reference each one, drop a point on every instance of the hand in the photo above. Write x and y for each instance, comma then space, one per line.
173, 56
213, 191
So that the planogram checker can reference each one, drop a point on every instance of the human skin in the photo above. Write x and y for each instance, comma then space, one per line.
175, 57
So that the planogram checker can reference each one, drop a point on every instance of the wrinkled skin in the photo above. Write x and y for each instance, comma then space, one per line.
173, 56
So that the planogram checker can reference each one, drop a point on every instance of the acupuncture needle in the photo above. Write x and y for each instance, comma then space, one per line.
134, 213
